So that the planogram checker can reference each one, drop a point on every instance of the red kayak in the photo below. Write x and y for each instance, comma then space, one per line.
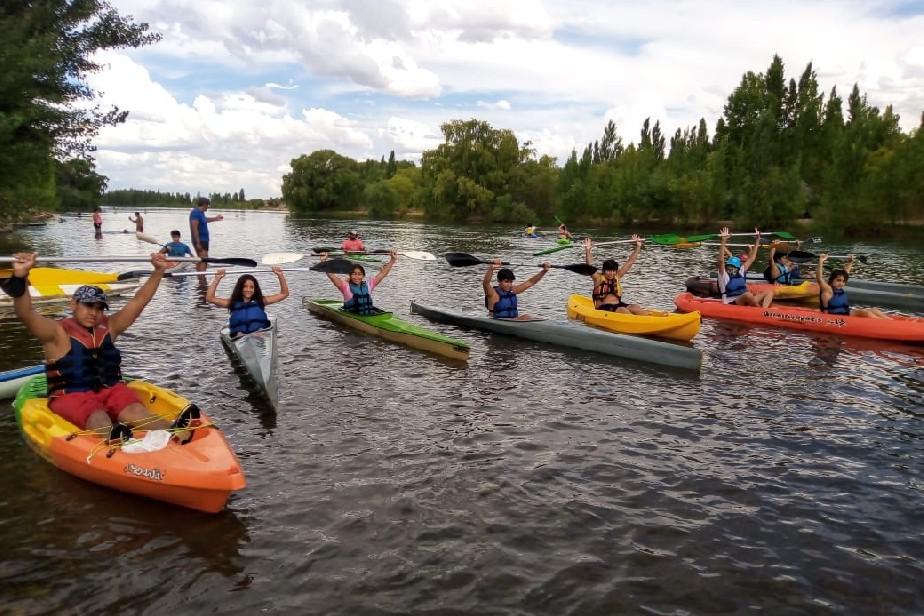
898, 328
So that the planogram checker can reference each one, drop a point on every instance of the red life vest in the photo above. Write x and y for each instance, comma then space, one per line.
92, 363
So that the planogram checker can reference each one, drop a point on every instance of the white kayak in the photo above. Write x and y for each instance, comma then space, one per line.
12, 380
256, 353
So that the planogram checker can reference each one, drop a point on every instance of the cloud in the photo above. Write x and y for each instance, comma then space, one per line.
501, 105
277, 86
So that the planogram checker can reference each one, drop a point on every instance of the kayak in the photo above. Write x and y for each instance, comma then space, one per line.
898, 328
669, 325
49, 276
362, 258
805, 291
386, 325
199, 475
564, 241
44, 294
572, 335
12, 380
256, 353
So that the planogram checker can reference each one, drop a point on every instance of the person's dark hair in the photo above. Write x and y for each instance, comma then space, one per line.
610, 264
505, 274
136, 213
176, 233
237, 295
838, 272
202, 201
357, 266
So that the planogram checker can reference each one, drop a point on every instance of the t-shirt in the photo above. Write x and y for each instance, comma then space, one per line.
177, 249
197, 214
723, 280
353, 246
345, 288
97, 218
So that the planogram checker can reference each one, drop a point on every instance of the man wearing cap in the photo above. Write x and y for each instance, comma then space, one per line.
82, 363
353, 243
501, 301
199, 228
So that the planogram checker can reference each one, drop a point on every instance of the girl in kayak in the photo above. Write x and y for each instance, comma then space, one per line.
563, 233
356, 290
607, 293
501, 301
733, 284
833, 297
246, 304
782, 270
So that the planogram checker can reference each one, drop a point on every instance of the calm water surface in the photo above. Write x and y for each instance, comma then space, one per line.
787, 478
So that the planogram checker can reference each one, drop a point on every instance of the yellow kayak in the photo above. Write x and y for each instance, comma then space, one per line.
48, 276
44, 294
668, 325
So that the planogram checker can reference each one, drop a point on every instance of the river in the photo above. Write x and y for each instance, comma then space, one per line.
786, 478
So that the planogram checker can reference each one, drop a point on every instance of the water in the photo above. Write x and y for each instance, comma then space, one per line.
785, 479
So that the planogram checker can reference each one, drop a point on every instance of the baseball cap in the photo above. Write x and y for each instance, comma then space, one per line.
87, 294
352, 232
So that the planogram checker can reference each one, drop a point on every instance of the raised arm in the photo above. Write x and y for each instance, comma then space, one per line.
588, 251
214, 218
121, 320
774, 266
752, 251
848, 267
533, 280
486, 282
210, 296
334, 278
283, 288
632, 257
820, 276
41, 327
723, 238
393, 258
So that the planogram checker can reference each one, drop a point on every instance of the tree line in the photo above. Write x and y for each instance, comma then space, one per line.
781, 150
131, 197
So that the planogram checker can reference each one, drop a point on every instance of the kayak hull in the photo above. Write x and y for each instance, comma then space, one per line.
48, 294
12, 380
391, 328
899, 329
805, 291
256, 353
199, 475
672, 326
572, 335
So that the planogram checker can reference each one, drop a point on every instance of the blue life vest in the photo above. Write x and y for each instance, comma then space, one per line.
838, 304
247, 317
736, 285
92, 363
177, 249
361, 302
785, 276
506, 306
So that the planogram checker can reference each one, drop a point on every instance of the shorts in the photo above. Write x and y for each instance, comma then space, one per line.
98, 226
612, 307
203, 246
77, 407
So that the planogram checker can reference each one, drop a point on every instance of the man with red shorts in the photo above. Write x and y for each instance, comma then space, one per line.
83, 365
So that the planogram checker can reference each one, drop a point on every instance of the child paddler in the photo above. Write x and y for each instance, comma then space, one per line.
176, 248
82, 363
732, 277
247, 302
782, 269
501, 301
607, 293
832, 295
356, 290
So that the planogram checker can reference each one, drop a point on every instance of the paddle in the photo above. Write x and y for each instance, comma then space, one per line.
462, 259
333, 266
137, 259
278, 258
801, 256
669, 239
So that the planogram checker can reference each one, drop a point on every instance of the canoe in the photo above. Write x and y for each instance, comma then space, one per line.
887, 287
256, 353
805, 291
45, 294
199, 475
880, 294
670, 325
386, 325
12, 380
572, 335
899, 328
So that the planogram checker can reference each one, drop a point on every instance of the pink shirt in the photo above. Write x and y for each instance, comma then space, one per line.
97, 218
344, 287
353, 246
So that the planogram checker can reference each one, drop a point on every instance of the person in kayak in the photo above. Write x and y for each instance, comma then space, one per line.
199, 229
353, 243
139, 222
176, 248
732, 277
356, 290
607, 292
501, 301
247, 302
531, 231
563, 233
781, 269
832, 296
83, 365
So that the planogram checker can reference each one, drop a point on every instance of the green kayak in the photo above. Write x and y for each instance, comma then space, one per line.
386, 325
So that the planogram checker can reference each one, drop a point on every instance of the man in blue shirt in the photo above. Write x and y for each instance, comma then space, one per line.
199, 229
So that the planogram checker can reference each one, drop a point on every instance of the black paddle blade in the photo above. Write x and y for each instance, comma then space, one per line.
800, 256
230, 261
134, 274
321, 249
579, 268
333, 266
462, 259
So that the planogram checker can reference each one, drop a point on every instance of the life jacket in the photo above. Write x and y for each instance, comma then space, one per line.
247, 317
736, 285
361, 302
785, 276
506, 306
607, 287
92, 363
838, 304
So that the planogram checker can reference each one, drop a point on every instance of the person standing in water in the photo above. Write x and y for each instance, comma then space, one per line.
97, 223
139, 222
176, 248
199, 229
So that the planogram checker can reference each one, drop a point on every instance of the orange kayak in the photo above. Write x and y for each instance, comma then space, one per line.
898, 328
199, 475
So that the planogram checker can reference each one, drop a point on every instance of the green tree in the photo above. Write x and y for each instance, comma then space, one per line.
79, 186
322, 180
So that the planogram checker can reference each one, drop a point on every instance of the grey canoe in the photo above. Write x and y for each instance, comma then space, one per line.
573, 335
256, 353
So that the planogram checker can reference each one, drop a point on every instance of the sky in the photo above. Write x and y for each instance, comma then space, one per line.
236, 89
